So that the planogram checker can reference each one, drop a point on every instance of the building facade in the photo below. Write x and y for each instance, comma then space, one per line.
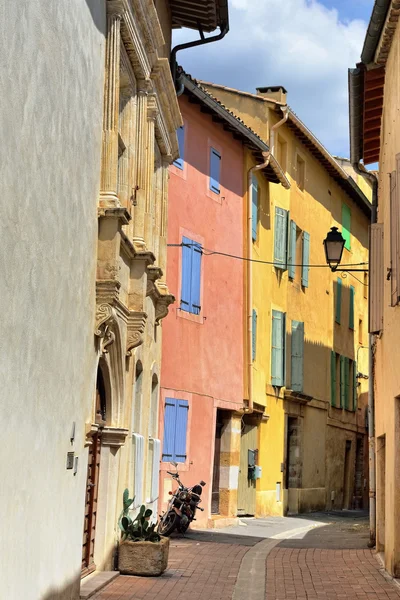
310, 354
375, 138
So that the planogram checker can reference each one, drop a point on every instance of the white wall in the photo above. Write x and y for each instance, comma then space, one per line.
51, 82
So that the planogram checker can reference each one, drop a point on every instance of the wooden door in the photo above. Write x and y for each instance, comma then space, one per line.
246, 486
92, 485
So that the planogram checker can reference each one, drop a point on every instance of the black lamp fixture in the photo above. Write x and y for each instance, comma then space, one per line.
334, 244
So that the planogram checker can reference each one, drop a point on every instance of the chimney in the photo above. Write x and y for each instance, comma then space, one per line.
275, 92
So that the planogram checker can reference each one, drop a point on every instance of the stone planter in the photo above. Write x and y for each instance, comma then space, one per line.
143, 558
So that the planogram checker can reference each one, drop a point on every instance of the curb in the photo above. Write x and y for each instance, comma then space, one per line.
250, 583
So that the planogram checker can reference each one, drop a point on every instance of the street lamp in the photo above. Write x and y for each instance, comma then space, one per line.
334, 244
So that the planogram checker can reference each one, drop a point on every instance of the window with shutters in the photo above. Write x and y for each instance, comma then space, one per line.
297, 356
292, 251
254, 207
179, 162
191, 276
281, 153
338, 309
377, 278
281, 238
300, 172
346, 226
348, 383
335, 379
254, 334
175, 430
278, 348
351, 307
394, 236
215, 171
305, 261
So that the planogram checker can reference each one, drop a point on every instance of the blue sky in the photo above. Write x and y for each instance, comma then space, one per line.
305, 45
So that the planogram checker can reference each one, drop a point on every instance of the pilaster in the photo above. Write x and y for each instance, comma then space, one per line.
141, 150
149, 173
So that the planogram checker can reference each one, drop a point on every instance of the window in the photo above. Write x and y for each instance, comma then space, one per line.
292, 250
346, 225
344, 372
377, 279
137, 398
278, 348
280, 242
181, 142
175, 430
299, 246
338, 311
300, 172
334, 367
153, 407
254, 205
305, 259
297, 356
281, 153
360, 331
215, 171
394, 237
191, 276
351, 307
254, 334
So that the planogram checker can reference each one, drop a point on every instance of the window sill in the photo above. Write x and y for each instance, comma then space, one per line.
183, 314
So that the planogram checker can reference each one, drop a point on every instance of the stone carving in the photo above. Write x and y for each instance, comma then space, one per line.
105, 317
161, 305
136, 327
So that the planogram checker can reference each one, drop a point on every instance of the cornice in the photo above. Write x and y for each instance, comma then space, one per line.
169, 118
114, 213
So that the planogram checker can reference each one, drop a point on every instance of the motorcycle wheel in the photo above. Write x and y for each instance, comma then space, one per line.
168, 524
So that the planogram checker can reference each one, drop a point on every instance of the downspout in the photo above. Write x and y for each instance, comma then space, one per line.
203, 40
263, 165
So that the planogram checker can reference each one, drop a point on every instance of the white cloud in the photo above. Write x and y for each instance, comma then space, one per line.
296, 43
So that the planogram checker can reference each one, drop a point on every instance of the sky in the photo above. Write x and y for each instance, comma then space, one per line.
304, 45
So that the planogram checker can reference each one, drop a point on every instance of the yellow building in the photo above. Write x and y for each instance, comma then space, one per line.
310, 356
375, 137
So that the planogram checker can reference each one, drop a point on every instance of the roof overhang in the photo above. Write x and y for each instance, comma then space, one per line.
206, 15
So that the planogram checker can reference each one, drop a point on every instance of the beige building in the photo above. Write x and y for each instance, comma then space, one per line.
375, 137
84, 248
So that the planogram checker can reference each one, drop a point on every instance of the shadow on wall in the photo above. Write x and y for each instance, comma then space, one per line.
98, 13
69, 591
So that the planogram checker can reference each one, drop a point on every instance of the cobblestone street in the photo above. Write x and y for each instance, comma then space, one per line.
323, 557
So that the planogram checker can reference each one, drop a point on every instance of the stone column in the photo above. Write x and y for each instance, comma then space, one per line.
229, 466
109, 168
149, 214
141, 150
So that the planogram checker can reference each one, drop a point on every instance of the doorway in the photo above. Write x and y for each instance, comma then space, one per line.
217, 464
248, 458
346, 475
380, 492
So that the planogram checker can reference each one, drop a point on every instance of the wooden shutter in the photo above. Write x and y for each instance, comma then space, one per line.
306, 259
254, 207
394, 233
333, 378
215, 170
278, 348
354, 385
346, 225
342, 382
292, 250
254, 334
182, 410
338, 300
169, 429
181, 142
297, 356
280, 241
186, 282
351, 308
347, 383
196, 279
376, 279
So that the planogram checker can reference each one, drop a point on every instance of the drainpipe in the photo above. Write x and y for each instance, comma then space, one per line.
371, 391
203, 40
267, 158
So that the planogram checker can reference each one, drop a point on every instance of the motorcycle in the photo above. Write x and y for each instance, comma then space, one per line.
181, 509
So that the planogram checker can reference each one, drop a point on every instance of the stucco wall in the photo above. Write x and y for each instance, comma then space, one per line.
52, 94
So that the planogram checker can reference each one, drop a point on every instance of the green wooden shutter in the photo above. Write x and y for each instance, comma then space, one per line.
278, 348
338, 300
351, 310
254, 334
297, 356
346, 225
355, 385
292, 250
347, 383
280, 240
333, 378
306, 259
342, 382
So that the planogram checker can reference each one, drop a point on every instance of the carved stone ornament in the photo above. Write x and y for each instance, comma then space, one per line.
136, 327
161, 305
105, 317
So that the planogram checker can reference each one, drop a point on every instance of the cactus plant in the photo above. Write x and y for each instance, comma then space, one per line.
138, 529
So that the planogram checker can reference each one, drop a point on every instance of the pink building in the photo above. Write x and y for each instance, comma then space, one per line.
202, 377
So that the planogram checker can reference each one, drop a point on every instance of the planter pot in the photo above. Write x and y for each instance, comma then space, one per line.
143, 558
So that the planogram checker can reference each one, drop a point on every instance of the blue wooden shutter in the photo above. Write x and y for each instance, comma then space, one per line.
182, 411
355, 385
278, 348
196, 279
181, 142
254, 334
351, 310
292, 250
254, 205
280, 241
333, 378
306, 259
338, 300
186, 283
342, 382
215, 170
297, 356
346, 225
169, 429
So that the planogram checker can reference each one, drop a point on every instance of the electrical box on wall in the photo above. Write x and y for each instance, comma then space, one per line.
255, 472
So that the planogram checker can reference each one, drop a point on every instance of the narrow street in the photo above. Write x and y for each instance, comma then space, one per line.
322, 555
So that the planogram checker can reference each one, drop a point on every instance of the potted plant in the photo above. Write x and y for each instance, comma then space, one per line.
142, 551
